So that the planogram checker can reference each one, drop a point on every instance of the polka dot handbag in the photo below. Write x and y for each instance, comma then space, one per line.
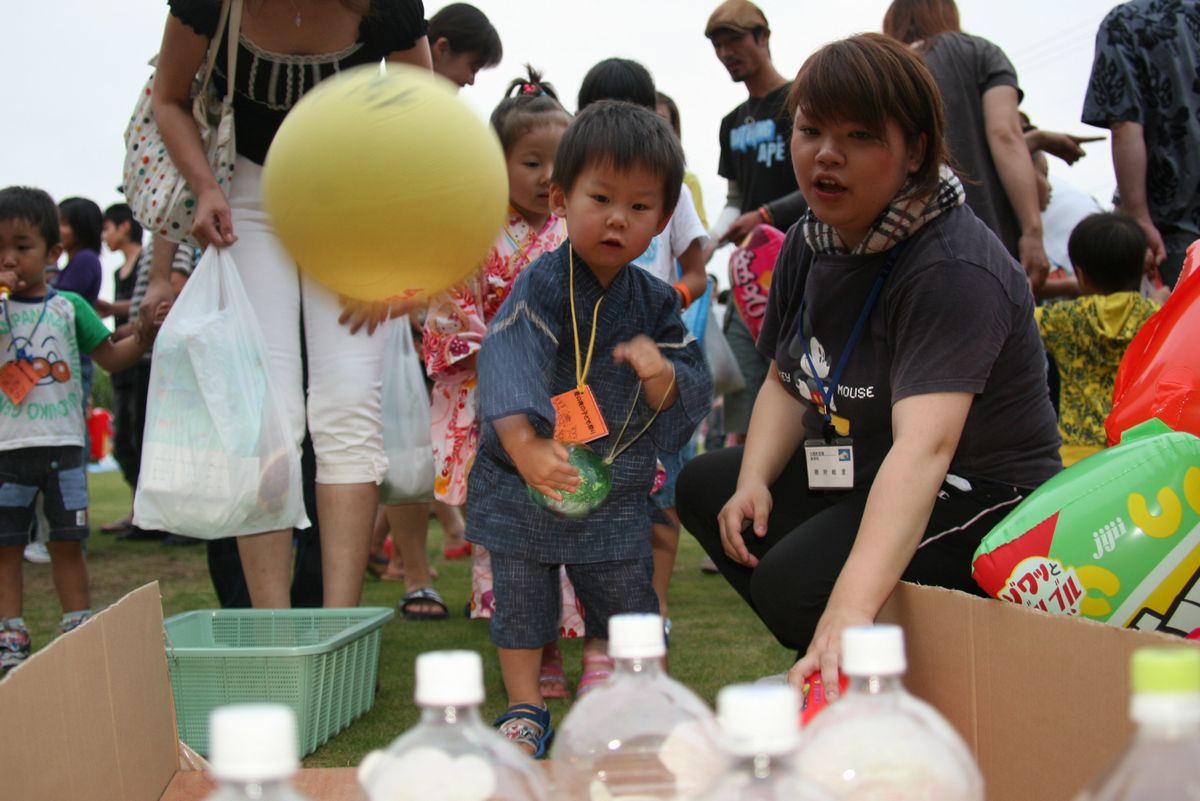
154, 188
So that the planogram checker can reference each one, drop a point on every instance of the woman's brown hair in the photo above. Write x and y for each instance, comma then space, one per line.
870, 79
920, 20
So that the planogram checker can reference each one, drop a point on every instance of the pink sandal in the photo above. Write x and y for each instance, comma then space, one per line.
553, 681
597, 668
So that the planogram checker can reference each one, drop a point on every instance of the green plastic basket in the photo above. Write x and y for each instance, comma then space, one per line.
321, 662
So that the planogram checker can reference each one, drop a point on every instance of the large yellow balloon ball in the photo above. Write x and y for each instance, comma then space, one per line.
385, 184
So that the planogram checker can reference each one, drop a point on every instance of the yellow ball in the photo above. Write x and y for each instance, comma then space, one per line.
385, 185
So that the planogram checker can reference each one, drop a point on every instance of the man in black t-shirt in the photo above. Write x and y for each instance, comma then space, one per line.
756, 161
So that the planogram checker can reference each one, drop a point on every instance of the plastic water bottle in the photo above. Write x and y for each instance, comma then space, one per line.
880, 742
1163, 761
254, 752
451, 754
760, 730
641, 734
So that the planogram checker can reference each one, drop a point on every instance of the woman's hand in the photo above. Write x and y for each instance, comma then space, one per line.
750, 504
213, 223
359, 313
1033, 259
825, 651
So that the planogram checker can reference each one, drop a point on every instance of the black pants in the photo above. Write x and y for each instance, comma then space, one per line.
810, 533
131, 388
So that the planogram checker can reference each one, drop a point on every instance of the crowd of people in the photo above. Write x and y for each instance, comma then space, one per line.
936, 344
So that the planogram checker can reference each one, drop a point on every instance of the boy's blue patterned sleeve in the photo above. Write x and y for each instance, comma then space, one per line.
675, 426
516, 361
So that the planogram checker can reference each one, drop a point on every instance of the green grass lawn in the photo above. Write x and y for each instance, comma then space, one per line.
715, 640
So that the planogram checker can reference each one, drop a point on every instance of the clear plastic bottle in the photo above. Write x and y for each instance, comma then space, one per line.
254, 752
641, 734
760, 730
880, 742
1163, 761
451, 754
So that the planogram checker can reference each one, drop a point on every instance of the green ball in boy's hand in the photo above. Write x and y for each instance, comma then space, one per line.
595, 477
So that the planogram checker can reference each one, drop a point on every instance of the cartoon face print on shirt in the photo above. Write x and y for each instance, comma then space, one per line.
817, 367
48, 364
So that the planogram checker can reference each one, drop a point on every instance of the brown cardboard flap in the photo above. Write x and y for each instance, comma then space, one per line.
1042, 700
91, 715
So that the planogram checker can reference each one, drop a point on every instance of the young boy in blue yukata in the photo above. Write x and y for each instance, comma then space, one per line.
42, 334
582, 320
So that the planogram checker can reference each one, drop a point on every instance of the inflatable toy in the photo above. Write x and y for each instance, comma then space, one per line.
595, 476
1160, 373
385, 184
1116, 538
750, 269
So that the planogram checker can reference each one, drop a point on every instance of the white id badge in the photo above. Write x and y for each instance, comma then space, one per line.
830, 465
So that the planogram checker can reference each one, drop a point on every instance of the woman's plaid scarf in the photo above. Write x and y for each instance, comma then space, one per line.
902, 218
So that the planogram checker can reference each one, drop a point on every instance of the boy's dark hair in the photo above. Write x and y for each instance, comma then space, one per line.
119, 214
869, 79
1110, 250
85, 219
525, 106
618, 79
625, 137
35, 207
468, 30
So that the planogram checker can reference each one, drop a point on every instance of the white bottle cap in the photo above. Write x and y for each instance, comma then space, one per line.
449, 678
873, 651
253, 742
759, 718
636, 637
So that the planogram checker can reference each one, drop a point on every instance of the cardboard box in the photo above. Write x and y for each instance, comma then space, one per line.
1042, 700
90, 718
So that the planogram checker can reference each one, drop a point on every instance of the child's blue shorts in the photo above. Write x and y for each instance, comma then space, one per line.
57, 472
529, 597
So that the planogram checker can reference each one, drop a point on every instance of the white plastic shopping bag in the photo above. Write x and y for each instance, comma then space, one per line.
405, 406
216, 459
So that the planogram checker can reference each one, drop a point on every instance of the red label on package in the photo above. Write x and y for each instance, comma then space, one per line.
17, 379
577, 416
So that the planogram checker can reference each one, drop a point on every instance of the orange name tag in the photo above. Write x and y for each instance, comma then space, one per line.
577, 417
16, 380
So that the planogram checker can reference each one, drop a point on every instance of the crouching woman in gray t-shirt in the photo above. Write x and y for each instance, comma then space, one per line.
909, 410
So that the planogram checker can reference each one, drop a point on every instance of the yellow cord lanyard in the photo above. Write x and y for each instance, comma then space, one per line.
582, 366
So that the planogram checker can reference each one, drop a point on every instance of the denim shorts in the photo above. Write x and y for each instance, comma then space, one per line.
673, 465
57, 473
529, 604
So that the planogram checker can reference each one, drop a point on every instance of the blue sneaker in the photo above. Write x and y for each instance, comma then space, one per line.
14, 646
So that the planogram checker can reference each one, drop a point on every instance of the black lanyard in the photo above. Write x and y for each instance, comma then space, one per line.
828, 390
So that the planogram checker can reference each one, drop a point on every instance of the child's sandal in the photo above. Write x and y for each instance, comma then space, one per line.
526, 725
597, 668
553, 681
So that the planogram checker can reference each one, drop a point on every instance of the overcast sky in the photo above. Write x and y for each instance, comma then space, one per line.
72, 70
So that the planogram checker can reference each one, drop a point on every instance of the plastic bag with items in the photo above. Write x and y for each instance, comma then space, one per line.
216, 458
406, 435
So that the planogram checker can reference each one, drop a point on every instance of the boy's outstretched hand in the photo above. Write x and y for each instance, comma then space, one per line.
543, 464
656, 371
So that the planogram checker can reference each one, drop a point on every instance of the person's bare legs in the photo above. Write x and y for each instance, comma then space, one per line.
267, 566
12, 587
454, 527
410, 532
347, 516
664, 544
68, 568
520, 668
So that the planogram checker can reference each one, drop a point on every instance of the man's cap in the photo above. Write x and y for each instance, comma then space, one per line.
740, 16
